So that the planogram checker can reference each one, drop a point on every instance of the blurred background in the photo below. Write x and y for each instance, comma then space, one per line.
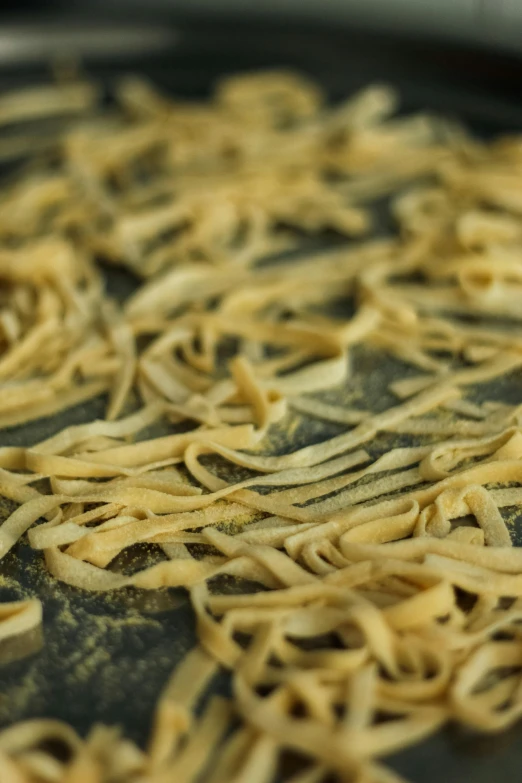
490, 23
456, 56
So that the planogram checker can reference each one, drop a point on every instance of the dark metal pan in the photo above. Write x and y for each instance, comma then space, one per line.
105, 658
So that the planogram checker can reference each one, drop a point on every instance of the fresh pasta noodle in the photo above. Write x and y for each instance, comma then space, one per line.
389, 593
17, 620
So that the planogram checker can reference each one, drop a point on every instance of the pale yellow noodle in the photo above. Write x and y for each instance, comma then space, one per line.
363, 543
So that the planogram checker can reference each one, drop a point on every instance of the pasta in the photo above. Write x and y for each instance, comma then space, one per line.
389, 590
20, 628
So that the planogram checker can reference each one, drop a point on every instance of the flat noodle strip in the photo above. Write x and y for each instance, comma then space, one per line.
174, 709
57, 403
351, 542
19, 617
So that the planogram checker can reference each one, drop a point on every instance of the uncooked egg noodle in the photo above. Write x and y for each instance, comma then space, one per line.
389, 596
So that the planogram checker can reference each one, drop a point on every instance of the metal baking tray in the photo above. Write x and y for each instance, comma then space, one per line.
106, 657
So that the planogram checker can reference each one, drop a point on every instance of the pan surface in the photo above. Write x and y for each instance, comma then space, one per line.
105, 658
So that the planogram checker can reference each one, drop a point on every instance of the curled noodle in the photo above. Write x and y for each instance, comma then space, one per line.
388, 596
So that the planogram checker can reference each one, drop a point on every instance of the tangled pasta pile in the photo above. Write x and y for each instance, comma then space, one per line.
388, 596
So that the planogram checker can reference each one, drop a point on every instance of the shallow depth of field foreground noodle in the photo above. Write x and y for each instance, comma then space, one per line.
390, 596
